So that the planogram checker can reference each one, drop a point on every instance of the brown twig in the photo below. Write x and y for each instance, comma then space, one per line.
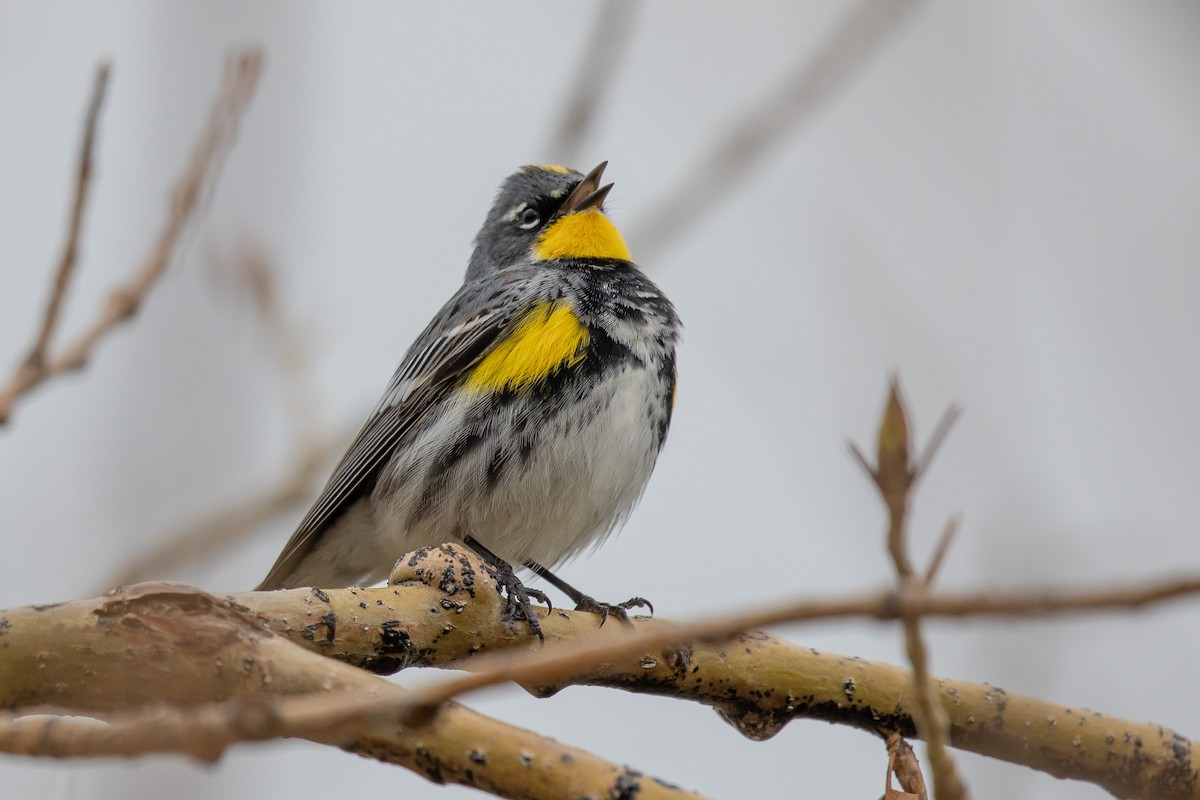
895, 475
36, 359
594, 73
940, 432
864, 29
241, 77
939, 552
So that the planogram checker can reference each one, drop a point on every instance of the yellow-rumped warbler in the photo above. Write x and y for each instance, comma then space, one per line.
525, 421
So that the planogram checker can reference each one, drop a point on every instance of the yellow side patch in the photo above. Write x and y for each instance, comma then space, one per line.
584, 234
547, 338
554, 168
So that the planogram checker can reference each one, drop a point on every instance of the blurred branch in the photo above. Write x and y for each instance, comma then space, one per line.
241, 77
860, 34
895, 475
314, 447
170, 669
214, 532
443, 608
36, 359
593, 77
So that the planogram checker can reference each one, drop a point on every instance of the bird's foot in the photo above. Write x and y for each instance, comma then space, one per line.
517, 595
618, 610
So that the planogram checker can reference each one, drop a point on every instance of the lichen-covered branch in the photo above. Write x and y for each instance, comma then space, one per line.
172, 669
444, 607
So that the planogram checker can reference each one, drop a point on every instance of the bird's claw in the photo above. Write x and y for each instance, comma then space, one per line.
617, 610
517, 605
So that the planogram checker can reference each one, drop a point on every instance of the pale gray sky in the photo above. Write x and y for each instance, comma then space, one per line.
1002, 205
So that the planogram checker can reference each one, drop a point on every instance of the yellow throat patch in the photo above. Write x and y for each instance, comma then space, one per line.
584, 234
546, 339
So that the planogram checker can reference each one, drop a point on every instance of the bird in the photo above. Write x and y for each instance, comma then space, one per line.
526, 419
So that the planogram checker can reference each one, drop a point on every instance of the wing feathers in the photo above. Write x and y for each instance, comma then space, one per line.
428, 371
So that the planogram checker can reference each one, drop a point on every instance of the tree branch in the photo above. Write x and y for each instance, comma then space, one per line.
444, 608
171, 669
241, 77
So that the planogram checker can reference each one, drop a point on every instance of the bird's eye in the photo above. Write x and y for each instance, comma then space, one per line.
530, 218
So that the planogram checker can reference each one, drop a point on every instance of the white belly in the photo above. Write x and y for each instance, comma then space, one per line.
570, 484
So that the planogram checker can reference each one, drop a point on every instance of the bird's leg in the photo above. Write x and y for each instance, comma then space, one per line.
584, 602
516, 594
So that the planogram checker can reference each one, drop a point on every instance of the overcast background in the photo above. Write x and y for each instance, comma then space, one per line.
1002, 205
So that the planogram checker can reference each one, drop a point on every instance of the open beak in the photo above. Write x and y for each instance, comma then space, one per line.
588, 194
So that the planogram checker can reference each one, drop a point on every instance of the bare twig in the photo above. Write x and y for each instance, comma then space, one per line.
939, 553
241, 77
935, 442
895, 476
864, 29
595, 71
36, 359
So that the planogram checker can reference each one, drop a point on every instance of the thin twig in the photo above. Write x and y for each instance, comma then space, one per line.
241, 77
895, 476
935, 441
36, 358
594, 74
860, 34
939, 553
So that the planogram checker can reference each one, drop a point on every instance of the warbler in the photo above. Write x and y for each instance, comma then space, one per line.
524, 421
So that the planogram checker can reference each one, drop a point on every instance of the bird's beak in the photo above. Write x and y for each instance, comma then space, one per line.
588, 194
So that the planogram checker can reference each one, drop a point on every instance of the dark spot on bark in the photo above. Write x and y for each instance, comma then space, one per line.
4, 625
393, 638
329, 622
478, 757
627, 786
324, 598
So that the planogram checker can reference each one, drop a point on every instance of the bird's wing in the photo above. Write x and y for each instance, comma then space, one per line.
443, 352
